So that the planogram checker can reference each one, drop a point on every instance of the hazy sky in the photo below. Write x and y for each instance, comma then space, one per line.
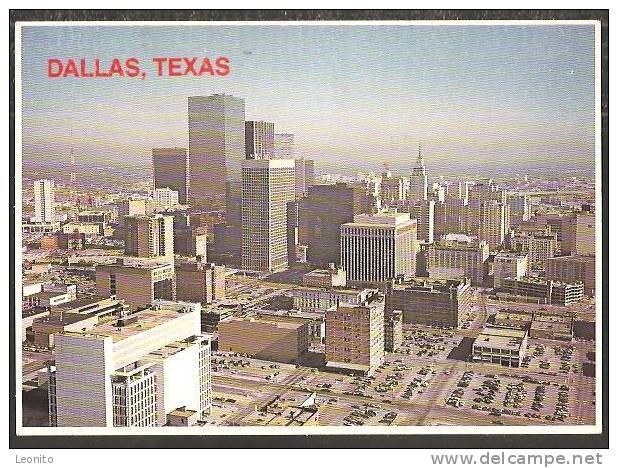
353, 95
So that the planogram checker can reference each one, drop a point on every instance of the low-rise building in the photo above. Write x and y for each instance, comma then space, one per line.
429, 301
543, 290
139, 282
513, 319
332, 277
272, 339
50, 295
321, 299
504, 346
552, 326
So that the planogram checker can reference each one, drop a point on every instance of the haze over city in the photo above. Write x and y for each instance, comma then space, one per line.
484, 98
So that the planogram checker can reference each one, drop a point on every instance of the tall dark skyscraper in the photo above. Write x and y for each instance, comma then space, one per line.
216, 149
259, 140
170, 169
324, 210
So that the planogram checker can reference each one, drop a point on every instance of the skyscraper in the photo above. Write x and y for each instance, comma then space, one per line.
304, 174
216, 148
323, 212
418, 179
44, 209
377, 248
170, 170
424, 213
284, 146
259, 140
268, 186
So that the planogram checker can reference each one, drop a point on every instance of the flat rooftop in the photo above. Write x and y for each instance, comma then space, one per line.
146, 319
282, 323
514, 315
501, 338
380, 219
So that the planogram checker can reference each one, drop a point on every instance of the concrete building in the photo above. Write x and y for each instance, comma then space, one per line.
200, 282
284, 146
575, 232
134, 207
502, 346
76, 316
319, 300
418, 180
101, 217
40, 227
170, 167
552, 326
323, 212
509, 265
332, 277
544, 291
513, 319
50, 295
430, 302
316, 328
271, 338
355, 337
268, 186
89, 229
573, 268
216, 150
377, 248
393, 330
44, 201
149, 236
259, 140
132, 371
138, 282
540, 248
493, 223
165, 197
456, 260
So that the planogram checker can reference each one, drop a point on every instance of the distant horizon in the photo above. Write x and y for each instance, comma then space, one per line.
504, 97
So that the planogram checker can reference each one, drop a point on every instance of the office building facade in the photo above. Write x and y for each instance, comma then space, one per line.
216, 148
377, 248
268, 186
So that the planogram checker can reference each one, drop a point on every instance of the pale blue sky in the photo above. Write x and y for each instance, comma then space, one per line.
357, 95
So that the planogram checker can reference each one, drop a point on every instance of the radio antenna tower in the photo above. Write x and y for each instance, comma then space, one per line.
72, 156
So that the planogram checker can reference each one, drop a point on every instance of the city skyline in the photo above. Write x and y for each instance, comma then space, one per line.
444, 94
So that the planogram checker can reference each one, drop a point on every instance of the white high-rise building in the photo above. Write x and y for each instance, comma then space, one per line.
133, 371
418, 180
267, 187
165, 197
44, 209
377, 248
